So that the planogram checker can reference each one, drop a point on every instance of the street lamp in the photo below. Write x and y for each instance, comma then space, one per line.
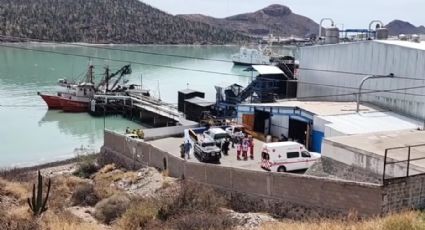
391, 75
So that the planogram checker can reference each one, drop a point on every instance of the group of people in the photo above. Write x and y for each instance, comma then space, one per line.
244, 144
138, 132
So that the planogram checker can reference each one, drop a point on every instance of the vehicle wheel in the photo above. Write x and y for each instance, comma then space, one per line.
281, 169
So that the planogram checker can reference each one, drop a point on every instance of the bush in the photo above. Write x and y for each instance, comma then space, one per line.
192, 198
207, 221
84, 195
139, 214
86, 166
111, 208
16, 223
402, 221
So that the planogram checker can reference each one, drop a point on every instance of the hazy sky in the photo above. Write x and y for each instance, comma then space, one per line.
353, 14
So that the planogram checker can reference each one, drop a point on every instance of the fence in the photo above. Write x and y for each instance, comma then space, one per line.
402, 168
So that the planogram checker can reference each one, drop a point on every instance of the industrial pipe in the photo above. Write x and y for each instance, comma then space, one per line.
363, 81
321, 22
371, 23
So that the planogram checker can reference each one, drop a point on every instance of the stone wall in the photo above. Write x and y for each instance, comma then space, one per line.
293, 190
404, 193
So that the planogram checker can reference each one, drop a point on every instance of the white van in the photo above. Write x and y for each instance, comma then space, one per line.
217, 134
286, 156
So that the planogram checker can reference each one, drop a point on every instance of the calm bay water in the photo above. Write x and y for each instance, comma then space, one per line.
31, 134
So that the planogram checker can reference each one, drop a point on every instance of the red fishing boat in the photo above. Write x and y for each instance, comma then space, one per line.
74, 97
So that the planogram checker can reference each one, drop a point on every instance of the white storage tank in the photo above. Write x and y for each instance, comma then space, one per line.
332, 35
382, 33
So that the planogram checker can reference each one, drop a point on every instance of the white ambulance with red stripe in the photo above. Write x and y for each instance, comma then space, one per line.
286, 156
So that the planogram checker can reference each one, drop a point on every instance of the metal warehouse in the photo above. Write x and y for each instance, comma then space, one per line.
334, 73
309, 122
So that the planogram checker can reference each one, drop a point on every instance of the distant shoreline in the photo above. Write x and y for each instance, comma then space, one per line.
112, 44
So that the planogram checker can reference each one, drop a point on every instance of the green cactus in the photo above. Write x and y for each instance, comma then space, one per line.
36, 203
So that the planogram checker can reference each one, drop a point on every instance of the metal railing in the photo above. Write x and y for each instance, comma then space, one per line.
395, 162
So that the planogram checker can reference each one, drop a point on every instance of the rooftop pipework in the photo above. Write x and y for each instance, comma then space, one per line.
321, 23
391, 75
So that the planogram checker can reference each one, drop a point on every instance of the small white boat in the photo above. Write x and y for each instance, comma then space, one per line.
252, 57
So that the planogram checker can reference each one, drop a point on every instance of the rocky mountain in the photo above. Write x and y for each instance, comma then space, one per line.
397, 27
105, 21
275, 19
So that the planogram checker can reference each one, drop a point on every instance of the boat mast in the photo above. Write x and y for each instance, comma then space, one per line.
107, 78
90, 74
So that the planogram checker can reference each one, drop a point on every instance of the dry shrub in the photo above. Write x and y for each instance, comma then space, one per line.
111, 208
203, 221
105, 178
405, 221
86, 166
107, 168
191, 198
84, 195
19, 191
65, 221
17, 174
138, 215
62, 190
14, 221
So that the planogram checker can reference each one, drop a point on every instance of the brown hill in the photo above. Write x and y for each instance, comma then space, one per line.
275, 19
397, 27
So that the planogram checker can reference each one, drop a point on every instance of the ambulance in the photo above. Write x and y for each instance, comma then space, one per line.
286, 156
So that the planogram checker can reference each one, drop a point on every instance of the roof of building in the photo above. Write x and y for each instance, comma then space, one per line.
322, 107
267, 69
369, 122
188, 91
376, 143
200, 101
408, 44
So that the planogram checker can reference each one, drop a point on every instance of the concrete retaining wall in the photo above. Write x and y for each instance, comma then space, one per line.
335, 196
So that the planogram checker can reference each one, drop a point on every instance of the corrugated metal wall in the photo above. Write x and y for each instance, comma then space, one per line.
337, 64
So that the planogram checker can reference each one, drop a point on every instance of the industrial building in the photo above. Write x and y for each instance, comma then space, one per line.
309, 122
334, 72
381, 155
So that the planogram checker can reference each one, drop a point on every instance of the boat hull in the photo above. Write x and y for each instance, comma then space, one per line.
53, 102
72, 106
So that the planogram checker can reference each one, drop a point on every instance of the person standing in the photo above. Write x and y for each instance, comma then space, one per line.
238, 150
251, 147
225, 147
245, 149
187, 147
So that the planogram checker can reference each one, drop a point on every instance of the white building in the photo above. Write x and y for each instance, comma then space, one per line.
330, 70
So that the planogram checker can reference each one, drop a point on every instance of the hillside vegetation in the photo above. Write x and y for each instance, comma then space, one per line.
104, 21
110, 197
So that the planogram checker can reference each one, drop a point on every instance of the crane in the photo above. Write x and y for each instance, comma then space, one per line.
125, 70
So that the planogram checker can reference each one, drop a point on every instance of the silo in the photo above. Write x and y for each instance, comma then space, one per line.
332, 35
382, 33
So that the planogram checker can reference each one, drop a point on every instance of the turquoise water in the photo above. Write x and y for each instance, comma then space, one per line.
30, 134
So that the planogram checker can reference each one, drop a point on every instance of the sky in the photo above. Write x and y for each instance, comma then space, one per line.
348, 14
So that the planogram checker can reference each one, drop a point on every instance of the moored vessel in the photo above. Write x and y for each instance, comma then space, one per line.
73, 97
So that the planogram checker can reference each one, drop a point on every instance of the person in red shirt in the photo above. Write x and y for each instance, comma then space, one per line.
238, 150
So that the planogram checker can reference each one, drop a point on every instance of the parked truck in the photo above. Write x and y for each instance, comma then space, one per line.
206, 150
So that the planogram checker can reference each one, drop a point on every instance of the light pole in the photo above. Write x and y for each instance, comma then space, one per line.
391, 75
